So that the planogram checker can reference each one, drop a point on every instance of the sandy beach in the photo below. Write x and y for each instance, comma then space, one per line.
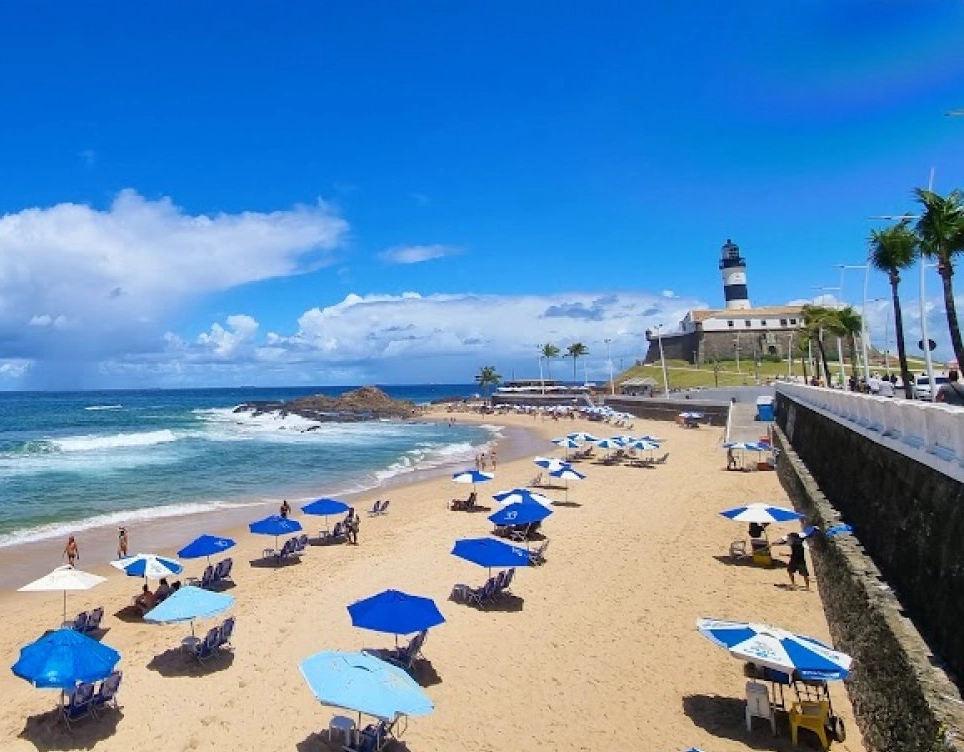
598, 649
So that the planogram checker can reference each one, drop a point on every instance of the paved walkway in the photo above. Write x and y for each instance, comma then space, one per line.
743, 423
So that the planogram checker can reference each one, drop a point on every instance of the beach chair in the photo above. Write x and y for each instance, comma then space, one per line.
661, 460
373, 738
106, 693
93, 620
535, 482
78, 623
376, 508
301, 543
507, 578
537, 556
206, 579
483, 594
384, 509
338, 534
208, 646
758, 705
225, 632
79, 703
760, 551
405, 657
222, 570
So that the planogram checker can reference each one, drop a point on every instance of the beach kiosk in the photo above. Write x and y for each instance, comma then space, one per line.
764, 408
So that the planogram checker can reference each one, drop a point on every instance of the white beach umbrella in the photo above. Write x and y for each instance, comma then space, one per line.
64, 578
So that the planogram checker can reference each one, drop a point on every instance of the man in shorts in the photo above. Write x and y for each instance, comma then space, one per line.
797, 563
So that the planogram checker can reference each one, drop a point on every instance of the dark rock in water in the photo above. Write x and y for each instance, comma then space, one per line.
366, 403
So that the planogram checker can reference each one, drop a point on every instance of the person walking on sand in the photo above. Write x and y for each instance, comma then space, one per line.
71, 551
122, 543
797, 563
493, 458
285, 508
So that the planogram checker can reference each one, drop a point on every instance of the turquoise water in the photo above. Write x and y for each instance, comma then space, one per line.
80, 459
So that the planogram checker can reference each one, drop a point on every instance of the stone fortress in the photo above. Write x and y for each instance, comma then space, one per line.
736, 331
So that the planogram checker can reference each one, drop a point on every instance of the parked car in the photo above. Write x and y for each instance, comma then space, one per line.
922, 386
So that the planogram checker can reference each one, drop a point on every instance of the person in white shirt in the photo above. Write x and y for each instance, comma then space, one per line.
886, 388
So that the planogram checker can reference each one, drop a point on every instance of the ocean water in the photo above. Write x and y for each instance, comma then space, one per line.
74, 460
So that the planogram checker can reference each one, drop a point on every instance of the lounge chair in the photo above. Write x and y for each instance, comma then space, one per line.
483, 594
206, 579
384, 509
661, 460
535, 482
222, 570
225, 632
338, 534
373, 738
503, 587
93, 620
80, 703
538, 556
107, 691
79, 622
405, 657
208, 646
376, 508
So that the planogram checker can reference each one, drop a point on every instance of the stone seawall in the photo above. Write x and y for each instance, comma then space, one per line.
653, 408
902, 697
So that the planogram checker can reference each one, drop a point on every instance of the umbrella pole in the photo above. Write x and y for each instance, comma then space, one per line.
65, 608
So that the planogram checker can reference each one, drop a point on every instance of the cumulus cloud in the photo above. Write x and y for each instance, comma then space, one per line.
416, 254
76, 279
226, 342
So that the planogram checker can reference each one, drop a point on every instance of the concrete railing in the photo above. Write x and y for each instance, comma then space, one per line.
928, 433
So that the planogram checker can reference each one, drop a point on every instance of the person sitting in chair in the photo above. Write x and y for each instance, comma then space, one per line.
163, 590
145, 601
470, 502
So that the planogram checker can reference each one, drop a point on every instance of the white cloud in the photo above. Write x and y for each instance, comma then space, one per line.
223, 342
416, 254
79, 281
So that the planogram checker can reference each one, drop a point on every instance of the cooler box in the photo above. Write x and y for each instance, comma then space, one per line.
764, 408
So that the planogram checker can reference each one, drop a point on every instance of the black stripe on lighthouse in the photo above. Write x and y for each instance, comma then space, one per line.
734, 292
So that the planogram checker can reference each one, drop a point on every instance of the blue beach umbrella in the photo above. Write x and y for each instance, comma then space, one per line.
489, 552
522, 496
275, 525
396, 613
777, 649
364, 684
148, 566
520, 514
472, 476
567, 474
551, 463
325, 507
62, 658
582, 436
205, 545
187, 604
761, 513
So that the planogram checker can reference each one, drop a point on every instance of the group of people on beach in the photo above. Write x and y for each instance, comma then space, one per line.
72, 550
483, 460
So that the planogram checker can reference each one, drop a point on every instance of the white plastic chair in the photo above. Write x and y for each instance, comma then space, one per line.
758, 704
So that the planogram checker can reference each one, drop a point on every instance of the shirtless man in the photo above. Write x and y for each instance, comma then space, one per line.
71, 551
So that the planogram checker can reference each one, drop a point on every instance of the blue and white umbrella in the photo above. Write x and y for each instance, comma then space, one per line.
582, 436
524, 496
520, 514
472, 476
567, 474
689, 415
148, 566
566, 443
643, 445
551, 463
761, 513
777, 648
614, 442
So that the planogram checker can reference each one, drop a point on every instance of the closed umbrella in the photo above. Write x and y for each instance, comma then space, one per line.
364, 684
64, 657
64, 578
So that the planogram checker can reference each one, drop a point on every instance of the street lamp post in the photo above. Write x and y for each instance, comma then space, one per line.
542, 381
863, 314
736, 347
609, 360
662, 359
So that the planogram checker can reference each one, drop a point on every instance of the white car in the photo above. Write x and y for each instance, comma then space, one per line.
922, 386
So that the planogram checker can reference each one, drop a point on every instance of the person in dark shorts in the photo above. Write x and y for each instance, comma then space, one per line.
797, 563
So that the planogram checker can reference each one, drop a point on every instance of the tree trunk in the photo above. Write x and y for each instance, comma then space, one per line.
823, 357
573, 367
901, 347
946, 272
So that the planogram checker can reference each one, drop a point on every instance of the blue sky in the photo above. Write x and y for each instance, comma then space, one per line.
204, 194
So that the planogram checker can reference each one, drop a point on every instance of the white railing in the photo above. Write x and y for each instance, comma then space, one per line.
931, 434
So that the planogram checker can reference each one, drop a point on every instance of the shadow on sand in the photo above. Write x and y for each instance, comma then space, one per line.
272, 562
319, 740
572, 504
48, 731
747, 561
176, 662
725, 717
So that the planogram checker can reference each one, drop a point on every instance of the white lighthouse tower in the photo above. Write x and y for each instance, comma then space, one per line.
733, 269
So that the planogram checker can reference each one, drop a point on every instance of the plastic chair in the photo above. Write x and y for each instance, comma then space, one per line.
812, 715
758, 704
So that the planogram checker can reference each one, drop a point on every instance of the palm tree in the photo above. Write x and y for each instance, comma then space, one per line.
941, 232
487, 377
549, 351
891, 250
849, 325
818, 319
574, 351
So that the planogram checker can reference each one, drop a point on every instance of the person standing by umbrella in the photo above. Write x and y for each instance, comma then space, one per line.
797, 563
71, 551
122, 543
352, 523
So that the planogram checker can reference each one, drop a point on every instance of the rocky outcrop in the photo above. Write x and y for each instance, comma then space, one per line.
366, 403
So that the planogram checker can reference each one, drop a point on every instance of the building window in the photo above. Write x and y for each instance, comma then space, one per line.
763, 323
729, 323
793, 322
783, 322
747, 323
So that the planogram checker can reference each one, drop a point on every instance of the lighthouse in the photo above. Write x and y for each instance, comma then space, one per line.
733, 269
